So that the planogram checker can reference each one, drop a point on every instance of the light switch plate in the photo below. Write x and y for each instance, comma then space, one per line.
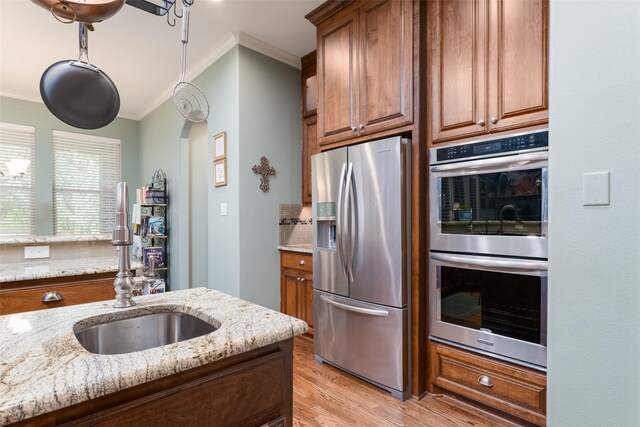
223, 209
595, 189
35, 252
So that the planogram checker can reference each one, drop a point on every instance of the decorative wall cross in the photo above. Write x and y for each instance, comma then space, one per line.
264, 170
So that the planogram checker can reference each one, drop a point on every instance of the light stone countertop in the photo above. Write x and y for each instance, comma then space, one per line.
25, 240
307, 249
44, 268
44, 367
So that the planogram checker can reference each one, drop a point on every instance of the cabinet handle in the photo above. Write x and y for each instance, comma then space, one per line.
480, 122
494, 119
301, 262
485, 381
362, 126
52, 296
355, 129
302, 279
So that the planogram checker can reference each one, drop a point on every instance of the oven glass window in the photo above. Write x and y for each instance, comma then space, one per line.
502, 303
501, 203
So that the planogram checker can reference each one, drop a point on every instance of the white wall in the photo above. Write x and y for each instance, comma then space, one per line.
594, 252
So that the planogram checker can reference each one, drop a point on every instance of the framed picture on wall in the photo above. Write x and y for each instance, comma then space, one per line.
220, 146
220, 172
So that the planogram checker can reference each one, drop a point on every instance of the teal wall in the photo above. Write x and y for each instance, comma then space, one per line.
269, 126
220, 83
256, 101
37, 115
160, 149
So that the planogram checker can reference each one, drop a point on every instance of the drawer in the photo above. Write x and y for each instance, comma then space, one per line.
80, 292
512, 389
297, 260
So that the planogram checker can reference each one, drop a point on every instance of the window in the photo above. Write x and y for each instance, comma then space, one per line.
17, 198
86, 170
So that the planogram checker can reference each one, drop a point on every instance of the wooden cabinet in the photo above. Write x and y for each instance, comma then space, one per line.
309, 74
296, 286
515, 390
27, 295
365, 69
251, 389
488, 66
309, 122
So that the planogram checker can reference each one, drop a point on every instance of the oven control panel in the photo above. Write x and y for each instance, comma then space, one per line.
493, 147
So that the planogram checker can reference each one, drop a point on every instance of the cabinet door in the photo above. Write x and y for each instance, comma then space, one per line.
289, 293
518, 64
337, 80
306, 303
309, 148
386, 65
309, 84
457, 64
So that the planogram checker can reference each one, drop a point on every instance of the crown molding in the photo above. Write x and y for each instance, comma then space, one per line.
268, 50
226, 44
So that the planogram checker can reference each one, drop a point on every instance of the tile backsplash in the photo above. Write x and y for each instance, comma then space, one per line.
14, 253
295, 225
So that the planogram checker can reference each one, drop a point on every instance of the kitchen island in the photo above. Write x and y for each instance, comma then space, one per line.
239, 374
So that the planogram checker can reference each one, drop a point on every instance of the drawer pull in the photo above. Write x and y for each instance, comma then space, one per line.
52, 296
301, 262
485, 381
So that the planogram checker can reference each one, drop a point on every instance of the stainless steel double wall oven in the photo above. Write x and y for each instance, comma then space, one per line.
488, 239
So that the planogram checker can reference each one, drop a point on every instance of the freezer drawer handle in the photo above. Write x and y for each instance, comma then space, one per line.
380, 313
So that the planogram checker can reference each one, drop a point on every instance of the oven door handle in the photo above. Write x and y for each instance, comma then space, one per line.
507, 264
513, 161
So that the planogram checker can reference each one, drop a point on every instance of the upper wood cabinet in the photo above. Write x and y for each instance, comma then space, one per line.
365, 70
309, 120
309, 84
488, 66
309, 148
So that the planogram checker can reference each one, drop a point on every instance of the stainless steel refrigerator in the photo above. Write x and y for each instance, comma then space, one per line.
361, 261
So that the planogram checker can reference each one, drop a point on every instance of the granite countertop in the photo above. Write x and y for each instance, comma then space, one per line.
307, 249
23, 240
44, 367
44, 268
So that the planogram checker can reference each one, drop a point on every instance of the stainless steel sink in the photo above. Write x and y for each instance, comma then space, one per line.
141, 332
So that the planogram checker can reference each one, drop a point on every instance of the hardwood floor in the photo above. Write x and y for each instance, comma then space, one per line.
325, 396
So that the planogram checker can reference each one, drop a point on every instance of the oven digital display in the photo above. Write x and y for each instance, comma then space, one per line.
487, 148
502, 145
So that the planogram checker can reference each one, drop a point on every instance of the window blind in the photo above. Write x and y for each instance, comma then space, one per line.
86, 169
17, 195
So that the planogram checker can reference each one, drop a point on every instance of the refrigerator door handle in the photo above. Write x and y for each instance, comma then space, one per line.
371, 312
348, 235
339, 223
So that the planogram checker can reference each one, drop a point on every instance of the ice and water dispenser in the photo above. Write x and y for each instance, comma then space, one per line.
326, 225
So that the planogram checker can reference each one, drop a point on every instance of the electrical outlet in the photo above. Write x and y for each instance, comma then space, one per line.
35, 252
